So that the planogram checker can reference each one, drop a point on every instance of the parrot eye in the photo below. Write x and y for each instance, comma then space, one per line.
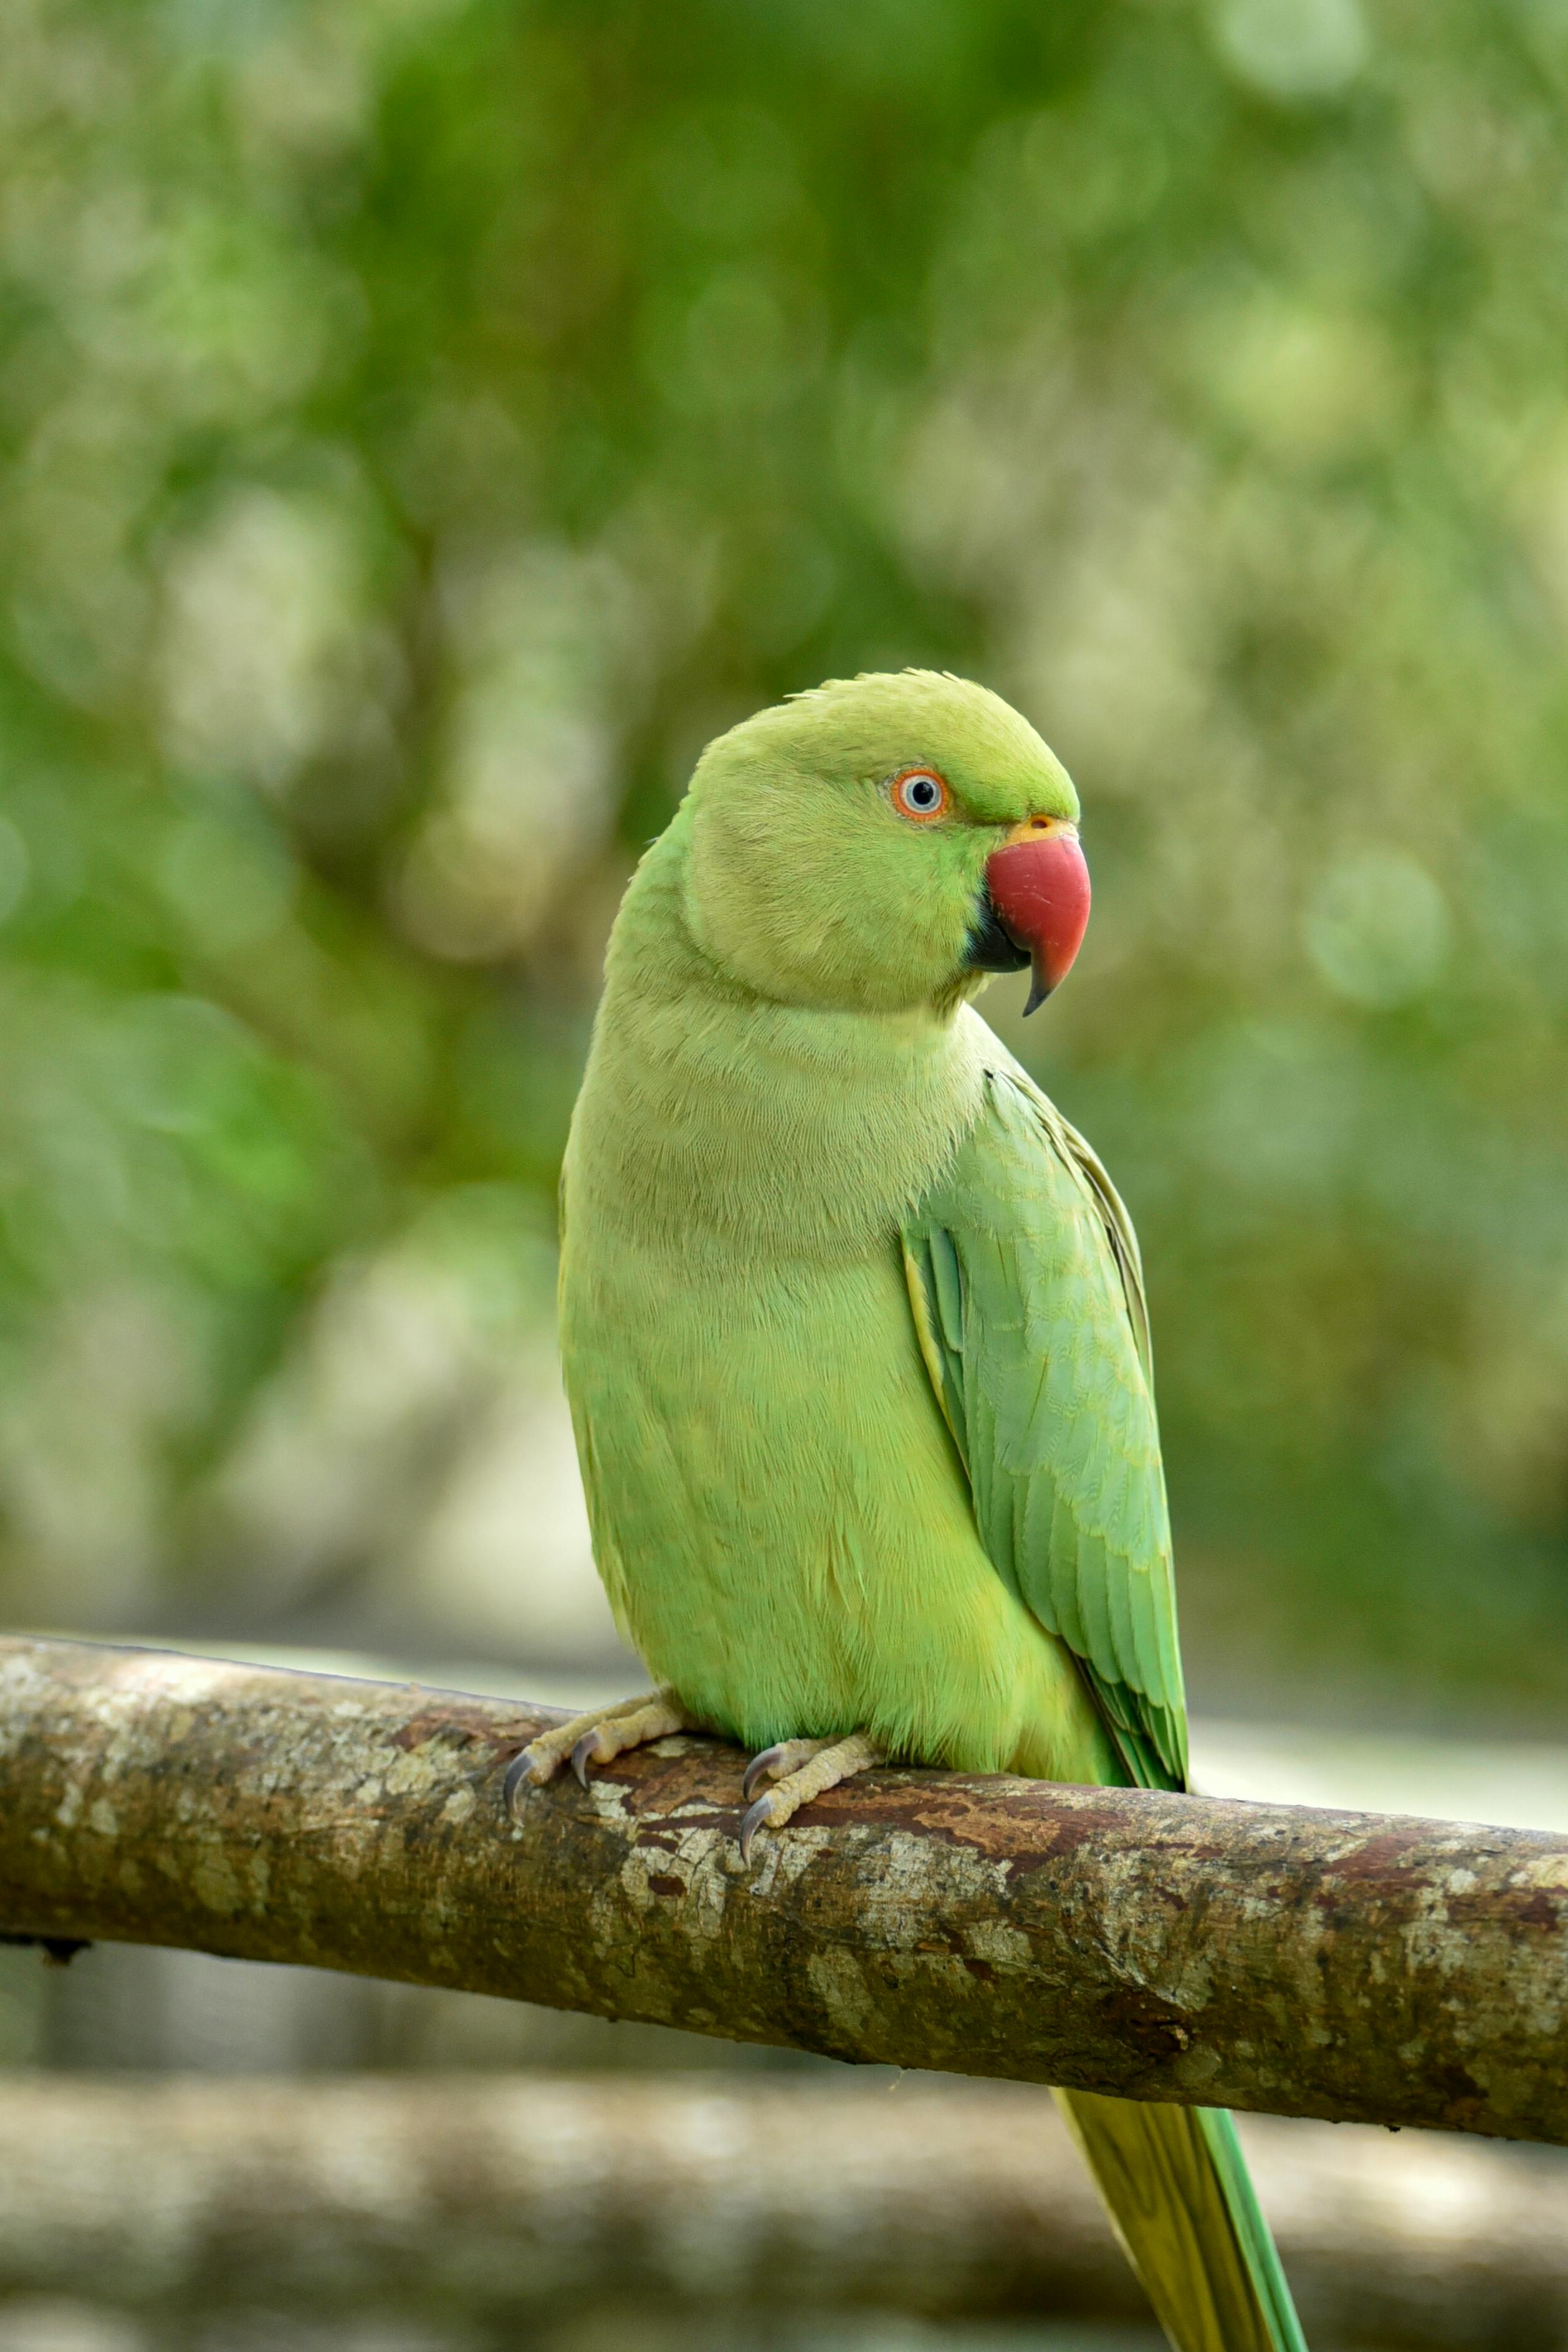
920, 794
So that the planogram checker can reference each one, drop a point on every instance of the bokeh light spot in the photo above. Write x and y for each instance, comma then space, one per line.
1293, 48
1377, 926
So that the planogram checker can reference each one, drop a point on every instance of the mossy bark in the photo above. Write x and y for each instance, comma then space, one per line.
1189, 1949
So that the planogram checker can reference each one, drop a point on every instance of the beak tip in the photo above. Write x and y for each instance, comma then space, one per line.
1038, 991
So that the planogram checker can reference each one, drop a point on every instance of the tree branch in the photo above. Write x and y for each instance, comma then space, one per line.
1356, 1966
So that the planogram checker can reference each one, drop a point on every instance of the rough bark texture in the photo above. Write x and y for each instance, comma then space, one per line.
504, 2201
1342, 1965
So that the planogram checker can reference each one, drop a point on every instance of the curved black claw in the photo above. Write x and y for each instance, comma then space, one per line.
583, 1755
762, 1812
762, 1763
519, 1775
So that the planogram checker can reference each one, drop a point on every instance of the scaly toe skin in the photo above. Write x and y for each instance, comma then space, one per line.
801, 1770
596, 1737
759, 1817
777, 1762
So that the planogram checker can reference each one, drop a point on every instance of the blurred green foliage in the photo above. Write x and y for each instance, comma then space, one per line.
423, 424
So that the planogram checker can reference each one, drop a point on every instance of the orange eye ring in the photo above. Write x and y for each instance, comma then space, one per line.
920, 794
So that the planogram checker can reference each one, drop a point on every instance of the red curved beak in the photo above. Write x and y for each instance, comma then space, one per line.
1039, 887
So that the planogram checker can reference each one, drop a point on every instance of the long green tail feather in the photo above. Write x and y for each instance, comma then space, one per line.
1182, 2200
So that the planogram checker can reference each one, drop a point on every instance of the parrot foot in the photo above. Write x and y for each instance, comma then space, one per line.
596, 1737
827, 1762
776, 1763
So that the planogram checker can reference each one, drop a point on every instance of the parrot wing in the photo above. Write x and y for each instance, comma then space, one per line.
1027, 1293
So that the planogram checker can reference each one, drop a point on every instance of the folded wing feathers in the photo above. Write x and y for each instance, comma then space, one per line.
1062, 1573
1034, 1290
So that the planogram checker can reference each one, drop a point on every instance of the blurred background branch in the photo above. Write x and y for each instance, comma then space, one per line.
509, 2204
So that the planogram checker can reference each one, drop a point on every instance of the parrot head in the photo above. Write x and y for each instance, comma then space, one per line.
881, 842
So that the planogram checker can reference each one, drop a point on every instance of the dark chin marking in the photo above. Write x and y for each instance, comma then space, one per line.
989, 948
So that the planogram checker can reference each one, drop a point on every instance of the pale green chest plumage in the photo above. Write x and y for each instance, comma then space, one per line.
780, 1513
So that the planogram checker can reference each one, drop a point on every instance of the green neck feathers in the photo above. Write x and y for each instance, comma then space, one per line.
712, 1117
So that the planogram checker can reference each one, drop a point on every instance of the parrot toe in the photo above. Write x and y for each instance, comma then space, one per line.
815, 1767
596, 1737
775, 1763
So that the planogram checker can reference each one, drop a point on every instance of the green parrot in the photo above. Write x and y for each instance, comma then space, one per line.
853, 1334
